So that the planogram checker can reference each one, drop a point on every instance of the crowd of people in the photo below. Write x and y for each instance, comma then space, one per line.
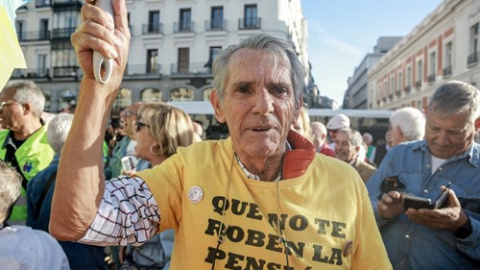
280, 192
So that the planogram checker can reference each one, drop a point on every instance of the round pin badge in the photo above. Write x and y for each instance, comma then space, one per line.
195, 194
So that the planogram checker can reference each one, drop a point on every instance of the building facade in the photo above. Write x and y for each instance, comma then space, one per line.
356, 96
444, 46
172, 48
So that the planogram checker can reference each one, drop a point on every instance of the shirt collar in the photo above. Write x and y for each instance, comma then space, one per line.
252, 176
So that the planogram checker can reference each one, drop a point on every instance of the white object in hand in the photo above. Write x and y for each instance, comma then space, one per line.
98, 59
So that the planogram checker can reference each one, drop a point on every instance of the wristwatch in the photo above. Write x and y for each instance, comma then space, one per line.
465, 230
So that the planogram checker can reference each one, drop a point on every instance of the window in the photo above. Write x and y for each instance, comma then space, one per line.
152, 61
216, 22
183, 60
181, 94
385, 90
185, 20
447, 69
432, 66
409, 76
64, 59
473, 55
42, 65
399, 83
123, 99
250, 17
19, 25
43, 29
419, 76
392, 87
212, 54
153, 21
151, 95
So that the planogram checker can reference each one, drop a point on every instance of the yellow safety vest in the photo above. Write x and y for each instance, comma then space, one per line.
34, 155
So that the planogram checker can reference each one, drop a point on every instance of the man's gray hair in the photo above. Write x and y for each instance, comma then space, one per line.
268, 44
10, 188
57, 131
354, 136
28, 91
411, 122
453, 96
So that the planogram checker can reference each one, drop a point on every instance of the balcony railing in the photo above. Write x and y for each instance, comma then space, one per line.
407, 89
62, 33
183, 27
249, 23
472, 58
143, 70
418, 84
191, 69
65, 72
447, 71
71, 5
31, 73
152, 28
431, 78
34, 35
216, 25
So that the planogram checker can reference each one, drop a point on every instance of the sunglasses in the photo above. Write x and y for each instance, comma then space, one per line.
139, 125
6, 103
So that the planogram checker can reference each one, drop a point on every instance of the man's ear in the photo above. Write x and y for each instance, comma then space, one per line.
217, 107
27, 108
477, 124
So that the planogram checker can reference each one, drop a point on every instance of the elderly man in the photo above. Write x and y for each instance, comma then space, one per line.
319, 134
23, 143
445, 238
20, 246
260, 199
407, 124
335, 123
347, 147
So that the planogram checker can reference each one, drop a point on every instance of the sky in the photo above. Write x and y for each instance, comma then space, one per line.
342, 32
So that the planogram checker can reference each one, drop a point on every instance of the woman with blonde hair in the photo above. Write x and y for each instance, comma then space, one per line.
159, 130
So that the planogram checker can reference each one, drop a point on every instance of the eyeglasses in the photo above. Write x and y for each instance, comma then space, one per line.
139, 125
5, 103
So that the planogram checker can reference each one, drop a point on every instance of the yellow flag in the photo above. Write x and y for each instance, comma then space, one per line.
11, 55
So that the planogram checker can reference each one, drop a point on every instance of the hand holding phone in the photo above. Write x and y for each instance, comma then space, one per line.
421, 202
129, 163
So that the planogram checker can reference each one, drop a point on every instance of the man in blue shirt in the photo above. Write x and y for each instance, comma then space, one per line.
445, 238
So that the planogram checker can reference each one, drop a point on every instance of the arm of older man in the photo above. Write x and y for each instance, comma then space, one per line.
80, 181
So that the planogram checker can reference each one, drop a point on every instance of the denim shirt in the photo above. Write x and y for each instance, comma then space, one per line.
80, 256
414, 246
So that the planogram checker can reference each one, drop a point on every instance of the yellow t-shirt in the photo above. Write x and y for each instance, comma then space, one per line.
325, 214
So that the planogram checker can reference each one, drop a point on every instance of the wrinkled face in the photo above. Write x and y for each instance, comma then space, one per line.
447, 136
12, 115
144, 141
344, 150
258, 104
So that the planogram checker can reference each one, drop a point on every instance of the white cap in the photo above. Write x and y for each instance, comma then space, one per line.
338, 121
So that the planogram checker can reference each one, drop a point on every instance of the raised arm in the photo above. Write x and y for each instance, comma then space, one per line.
80, 181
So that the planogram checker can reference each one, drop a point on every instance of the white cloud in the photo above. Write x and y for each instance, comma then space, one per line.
332, 41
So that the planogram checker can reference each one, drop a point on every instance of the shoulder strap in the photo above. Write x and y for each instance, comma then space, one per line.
15, 164
45, 189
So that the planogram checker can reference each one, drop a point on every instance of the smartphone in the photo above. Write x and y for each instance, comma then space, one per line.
129, 163
420, 202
